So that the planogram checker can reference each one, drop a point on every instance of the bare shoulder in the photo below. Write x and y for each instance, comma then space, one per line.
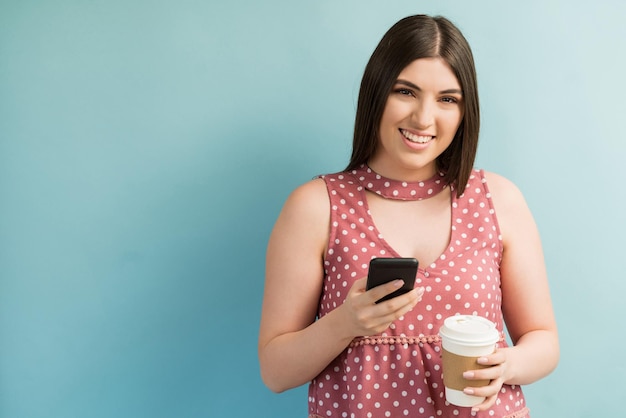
309, 201
303, 222
507, 198
502, 189
513, 214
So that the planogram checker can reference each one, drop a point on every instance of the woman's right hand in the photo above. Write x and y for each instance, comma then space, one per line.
366, 317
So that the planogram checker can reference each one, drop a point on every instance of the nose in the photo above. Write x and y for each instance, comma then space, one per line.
424, 113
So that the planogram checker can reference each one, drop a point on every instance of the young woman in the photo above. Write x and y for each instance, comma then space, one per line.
410, 190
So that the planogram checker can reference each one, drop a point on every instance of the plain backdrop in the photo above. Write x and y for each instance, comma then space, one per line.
147, 146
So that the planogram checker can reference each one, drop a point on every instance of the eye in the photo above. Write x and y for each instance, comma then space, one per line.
449, 99
403, 91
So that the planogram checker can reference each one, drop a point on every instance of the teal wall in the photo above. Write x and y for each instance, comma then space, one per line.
146, 148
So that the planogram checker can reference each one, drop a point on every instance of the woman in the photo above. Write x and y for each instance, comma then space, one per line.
410, 190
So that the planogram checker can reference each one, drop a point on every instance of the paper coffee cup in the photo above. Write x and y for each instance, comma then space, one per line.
465, 338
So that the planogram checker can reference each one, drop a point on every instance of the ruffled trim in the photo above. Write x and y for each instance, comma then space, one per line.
393, 339
396, 339
522, 413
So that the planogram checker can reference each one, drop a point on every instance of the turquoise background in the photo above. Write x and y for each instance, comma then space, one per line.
146, 148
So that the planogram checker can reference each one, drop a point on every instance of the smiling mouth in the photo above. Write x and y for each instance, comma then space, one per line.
418, 139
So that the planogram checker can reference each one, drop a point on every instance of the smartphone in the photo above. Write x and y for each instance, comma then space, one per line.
385, 270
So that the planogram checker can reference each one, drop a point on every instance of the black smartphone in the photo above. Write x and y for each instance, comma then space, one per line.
385, 270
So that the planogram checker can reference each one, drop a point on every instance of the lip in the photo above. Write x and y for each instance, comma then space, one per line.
416, 142
415, 132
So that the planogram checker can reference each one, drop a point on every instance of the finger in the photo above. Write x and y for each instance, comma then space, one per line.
489, 373
498, 357
359, 285
375, 317
384, 313
492, 389
383, 290
397, 313
398, 302
486, 404
395, 308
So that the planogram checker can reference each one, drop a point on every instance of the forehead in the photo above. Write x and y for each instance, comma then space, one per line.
430, 72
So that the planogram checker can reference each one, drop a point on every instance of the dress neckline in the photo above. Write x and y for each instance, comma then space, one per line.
397, 189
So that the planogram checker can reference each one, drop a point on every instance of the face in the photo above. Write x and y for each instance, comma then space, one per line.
421, 117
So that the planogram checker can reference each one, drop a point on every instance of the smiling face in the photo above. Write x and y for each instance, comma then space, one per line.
421, 117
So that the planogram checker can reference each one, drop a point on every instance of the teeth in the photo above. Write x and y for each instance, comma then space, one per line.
415, 138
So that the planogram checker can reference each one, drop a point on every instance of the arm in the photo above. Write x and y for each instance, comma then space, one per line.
526, 302
293, 347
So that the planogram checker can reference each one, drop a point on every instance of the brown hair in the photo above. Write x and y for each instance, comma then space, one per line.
409, 39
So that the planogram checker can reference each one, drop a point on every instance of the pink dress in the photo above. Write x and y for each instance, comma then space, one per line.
398, 373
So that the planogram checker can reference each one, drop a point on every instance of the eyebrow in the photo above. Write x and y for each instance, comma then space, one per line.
415, 87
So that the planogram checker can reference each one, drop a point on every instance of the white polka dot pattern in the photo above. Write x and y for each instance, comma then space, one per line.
398, 373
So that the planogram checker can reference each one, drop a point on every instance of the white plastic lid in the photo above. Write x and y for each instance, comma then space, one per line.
469, 330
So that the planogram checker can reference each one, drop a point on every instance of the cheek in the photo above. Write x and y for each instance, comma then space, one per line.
387, 122
452, 121
393, 114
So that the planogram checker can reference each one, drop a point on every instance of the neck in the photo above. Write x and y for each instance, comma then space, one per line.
400, 173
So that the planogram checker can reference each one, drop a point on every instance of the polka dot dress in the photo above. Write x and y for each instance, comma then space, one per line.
398, 373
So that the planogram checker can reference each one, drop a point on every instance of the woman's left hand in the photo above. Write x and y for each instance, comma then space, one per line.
495, 374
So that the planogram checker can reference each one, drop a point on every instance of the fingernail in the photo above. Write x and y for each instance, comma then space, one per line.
482, 360
468, 391
398, 283
468, 375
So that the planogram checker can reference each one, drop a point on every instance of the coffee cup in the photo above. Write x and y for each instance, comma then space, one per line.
465, 338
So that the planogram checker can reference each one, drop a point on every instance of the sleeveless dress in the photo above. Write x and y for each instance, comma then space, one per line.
398, 373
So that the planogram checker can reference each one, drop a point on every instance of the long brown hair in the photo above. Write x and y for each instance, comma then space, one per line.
409, 39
